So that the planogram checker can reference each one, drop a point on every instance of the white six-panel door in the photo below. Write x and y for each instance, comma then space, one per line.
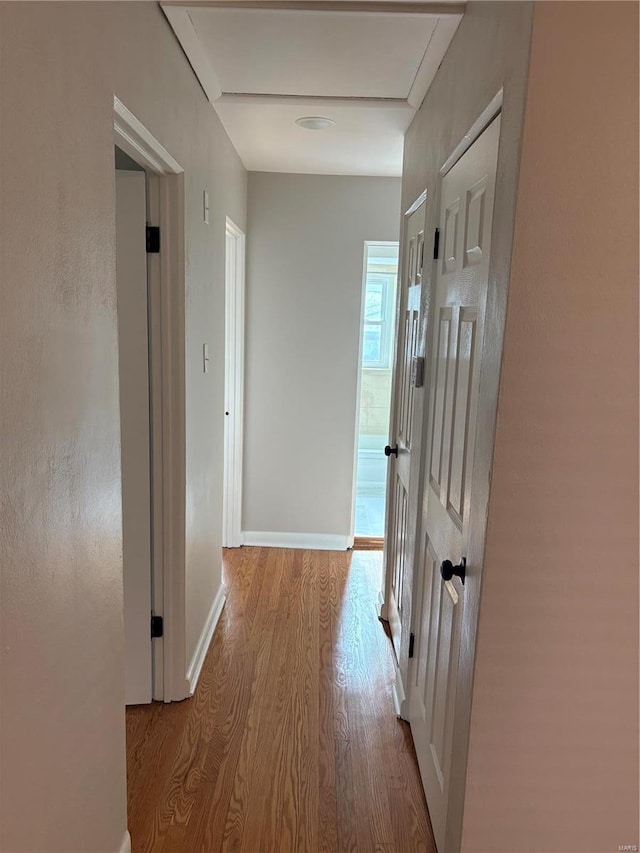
466, 208
399, 545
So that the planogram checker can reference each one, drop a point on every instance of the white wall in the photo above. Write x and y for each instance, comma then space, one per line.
306, 237
62, 758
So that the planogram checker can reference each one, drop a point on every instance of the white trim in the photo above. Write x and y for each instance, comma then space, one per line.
354, 480
484, 120
416, 204
233, 385
361, 367
166, 271
307, 541
254, 99
133, 137
125, 844
202, 647
433, 55
400, 702
182, 25
390, 7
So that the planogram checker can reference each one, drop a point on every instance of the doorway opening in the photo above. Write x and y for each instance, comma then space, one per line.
151, 339
233, 386
377, 333
135, 424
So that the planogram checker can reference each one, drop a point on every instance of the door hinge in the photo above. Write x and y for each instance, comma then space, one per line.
153, 239
157, 627
436, 244
411, 639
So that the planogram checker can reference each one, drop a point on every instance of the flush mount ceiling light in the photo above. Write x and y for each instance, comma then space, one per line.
315, 122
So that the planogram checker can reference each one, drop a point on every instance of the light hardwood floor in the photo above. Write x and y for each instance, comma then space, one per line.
290, 742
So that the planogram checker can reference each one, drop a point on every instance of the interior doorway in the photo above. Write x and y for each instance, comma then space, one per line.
233, 386
135, 425
150, 226
377, 335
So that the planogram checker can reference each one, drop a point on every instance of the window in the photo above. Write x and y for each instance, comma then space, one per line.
379, 305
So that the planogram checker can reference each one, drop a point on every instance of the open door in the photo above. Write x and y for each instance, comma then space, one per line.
133, 353
458, 315
377, 330
404, 445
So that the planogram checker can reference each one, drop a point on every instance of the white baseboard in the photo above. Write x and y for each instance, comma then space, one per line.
399, 697
125, 846
195, 667
308, 541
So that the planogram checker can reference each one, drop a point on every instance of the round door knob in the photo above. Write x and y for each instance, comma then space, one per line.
448, 570
389, 450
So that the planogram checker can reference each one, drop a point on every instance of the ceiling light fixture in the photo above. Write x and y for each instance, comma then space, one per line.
315, 122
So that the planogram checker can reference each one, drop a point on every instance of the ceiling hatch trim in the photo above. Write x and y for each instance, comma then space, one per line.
393, 7
357, 59
182, 26
448, 16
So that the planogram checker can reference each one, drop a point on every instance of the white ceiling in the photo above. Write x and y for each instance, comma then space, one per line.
366, 65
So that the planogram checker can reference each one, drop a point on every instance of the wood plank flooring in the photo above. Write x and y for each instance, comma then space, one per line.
290, 742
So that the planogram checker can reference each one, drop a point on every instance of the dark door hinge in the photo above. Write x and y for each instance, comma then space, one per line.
157, 627
411, 639
436, 244
153, 239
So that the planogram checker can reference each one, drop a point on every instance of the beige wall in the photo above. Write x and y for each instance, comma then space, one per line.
553, 763
62, 765
304, 292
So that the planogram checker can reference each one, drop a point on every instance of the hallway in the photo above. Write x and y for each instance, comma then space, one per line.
290, 742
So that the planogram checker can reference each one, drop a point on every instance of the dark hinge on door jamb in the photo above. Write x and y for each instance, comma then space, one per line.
411, 639
436, 244
157, 626
153, 239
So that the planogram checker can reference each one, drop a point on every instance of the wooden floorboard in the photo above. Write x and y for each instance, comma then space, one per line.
290, 742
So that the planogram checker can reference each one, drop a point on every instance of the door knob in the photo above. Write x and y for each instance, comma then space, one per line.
448, 570
389, 450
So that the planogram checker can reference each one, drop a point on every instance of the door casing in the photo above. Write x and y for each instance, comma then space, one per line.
166, 287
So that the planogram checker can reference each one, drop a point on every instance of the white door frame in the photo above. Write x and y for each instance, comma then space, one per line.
166, 287
233, 385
